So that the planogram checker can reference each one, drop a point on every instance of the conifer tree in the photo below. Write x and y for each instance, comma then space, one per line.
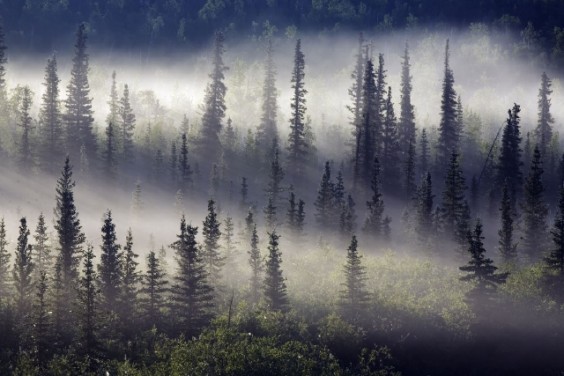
22, 272
78, 116
509, 166
4, 264
213, 260
406, 125
113, 102
192, 294
3, 61
137, 199
184, 166
276, 174
425, 156
50, 130
153, 291
292, 214
449, 130
256, 264
374, 224
409, 172
507, 247
339, 191
390, 147
534, 209
354, 297
554, 262
543, 132
249, 222
214, 104
130, 279
173, 164
300, 219
41, 321
88, 305
110, 267
267, 129
297, 145
480, 269
355, 93
274, 285
347, 218
325, 199
127, 125
365, 141
454, 212
110, 157
270, 214
424, 226
244, 192
42, 257
25, 157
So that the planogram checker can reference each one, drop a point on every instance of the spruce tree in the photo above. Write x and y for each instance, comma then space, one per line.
543, 132
153, 291
354, 297
374, 224
507, 247
424, 154
424, 226
534, 209
184, 166
214, 104
244, 192
41, 321
454, 211
347, 218
110, 157
406, 125
88, 305
276, 174
355, 93
110, 267
300, 219
325, 199
409, 173
228, 237
113, 102
270, 214
192, 294
509, 165
50, 130
554, 262
22, 272
212, 257
78, 117
267, 129
42, 257
449, 130
256, 264
390, 148
25, 156
173, 164
274, 285
4, 264
127, 125
297, 145
130, 279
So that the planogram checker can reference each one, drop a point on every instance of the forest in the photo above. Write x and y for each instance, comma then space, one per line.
354, 204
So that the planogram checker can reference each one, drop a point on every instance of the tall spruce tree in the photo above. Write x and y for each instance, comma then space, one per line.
554, 262
110, 267
424, 226
184, 166
113, 103
449, 130
22, 273
543, 131
424, 153
454, 211
42, 257
257, 267
406, 125
535, 210
42, 340
212, 257
267, 129
409, 173
354, 297
126, 125
110, 154
214, 104
509, 165
4, 264
192, 294
88, 305
391, 156
507, 247
78, 117
270, 214
274, 286
25, 122
173, 164
381, 108
153, 290
355, 108
276, 174
366, 144
297, 145
375, 224
130, 279
50, 130
325, 199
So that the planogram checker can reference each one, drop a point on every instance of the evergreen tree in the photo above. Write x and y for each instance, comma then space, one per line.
425, 156
113, 102
42, 257
173, 163
554, 262
228, 237
274, 285
409, 171
292, 214
390, 147
543, 132
480, 269
270, 214
356, 95
153, 291
374, 225
325, 199
130, 279
110, 157
366, 142
127, 125
214, 104
534, 210
354, 297
347, 219
3, 86
137, 199
211, 252
25, 157
110, 267
509, 166
267, 129
406, 125
192, 295
41, 321
255, 262
4, 262
449, 130
22, 272
507, 247
88, 299
297, 145
424, 226
300, 219
50, 131
249, 223
78, 116
244, 192
184, 166
454, 212
276, 175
